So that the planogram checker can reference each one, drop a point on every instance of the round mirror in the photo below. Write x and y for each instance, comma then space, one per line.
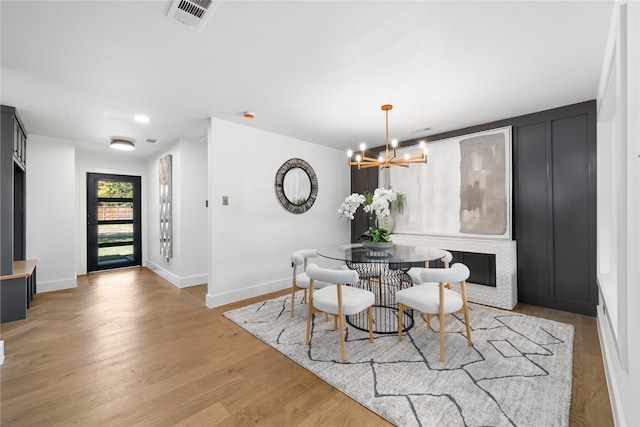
296, 185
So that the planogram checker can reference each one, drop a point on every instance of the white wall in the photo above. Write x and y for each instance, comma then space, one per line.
119, 164
188, 266
252, 238
51, 213
618, 218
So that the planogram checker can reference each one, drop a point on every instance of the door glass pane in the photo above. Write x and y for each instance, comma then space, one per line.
115, 211
114, 233
114, 254
119, 189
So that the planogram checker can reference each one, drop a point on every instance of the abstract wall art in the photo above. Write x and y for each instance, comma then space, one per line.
463, 190
166, 246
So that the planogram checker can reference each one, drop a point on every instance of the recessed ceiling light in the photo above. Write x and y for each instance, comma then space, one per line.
122, 144
140, 118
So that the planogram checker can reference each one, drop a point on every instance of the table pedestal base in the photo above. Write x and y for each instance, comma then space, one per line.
384, 280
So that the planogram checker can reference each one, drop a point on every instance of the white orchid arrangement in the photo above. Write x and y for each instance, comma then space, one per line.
377, 206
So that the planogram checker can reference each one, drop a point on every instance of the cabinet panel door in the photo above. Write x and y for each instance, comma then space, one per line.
571, 209
533, 215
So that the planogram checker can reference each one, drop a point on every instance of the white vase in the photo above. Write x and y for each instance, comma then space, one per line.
377, 246
387, 222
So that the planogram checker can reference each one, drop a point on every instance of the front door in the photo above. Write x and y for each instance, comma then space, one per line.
113, 221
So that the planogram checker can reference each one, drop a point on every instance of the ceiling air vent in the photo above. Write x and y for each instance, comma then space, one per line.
193, 13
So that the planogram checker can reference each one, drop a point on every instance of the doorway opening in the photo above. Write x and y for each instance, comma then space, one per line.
114, 237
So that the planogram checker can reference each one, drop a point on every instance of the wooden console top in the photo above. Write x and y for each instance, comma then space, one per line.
22, 268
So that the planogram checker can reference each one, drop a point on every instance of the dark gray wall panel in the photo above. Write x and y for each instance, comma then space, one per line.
571, 208
533, 224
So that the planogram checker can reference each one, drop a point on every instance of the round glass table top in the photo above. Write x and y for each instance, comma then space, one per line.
397, 254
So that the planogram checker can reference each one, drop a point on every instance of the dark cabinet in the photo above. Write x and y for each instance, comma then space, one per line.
555, 208
18, 275
13, 158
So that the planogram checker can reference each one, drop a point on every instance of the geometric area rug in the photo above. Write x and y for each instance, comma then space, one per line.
517, 373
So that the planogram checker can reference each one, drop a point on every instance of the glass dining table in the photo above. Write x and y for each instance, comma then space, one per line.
384, 272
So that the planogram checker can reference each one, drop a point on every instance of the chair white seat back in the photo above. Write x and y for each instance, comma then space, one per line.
456, 273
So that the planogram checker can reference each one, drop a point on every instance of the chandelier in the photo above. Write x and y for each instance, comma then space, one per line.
388, 160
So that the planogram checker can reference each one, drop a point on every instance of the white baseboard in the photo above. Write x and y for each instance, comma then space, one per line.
216, 300
607, 347
200, 279
177, 281
56, 285
1, 352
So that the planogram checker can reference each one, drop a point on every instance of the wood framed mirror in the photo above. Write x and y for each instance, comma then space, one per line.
296, 186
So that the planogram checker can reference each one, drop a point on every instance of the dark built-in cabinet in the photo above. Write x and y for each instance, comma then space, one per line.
555, 208
17, 285
554, 204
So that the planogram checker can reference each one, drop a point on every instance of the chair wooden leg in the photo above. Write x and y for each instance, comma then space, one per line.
428, 321
370, 315
309, 311
441, 319
465, 307
341, 323
309, 314
293, 298
341, 326
400, 317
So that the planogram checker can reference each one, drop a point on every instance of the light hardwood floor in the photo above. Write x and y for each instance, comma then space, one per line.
128, 348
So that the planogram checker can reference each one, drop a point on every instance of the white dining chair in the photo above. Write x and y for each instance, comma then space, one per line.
430, 299
416, 272
338, 299
300, 280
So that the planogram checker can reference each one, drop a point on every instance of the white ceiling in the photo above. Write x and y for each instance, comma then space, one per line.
313, 70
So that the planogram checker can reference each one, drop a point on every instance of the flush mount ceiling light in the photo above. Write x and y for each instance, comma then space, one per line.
122, 144
388, 160
141, 118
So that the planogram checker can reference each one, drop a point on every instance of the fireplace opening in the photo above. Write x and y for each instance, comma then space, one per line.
481, 266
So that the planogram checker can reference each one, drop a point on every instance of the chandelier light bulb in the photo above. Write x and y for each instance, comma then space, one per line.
358, 158
422, 144
349, 153
381, 159
394, 143
363, 146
